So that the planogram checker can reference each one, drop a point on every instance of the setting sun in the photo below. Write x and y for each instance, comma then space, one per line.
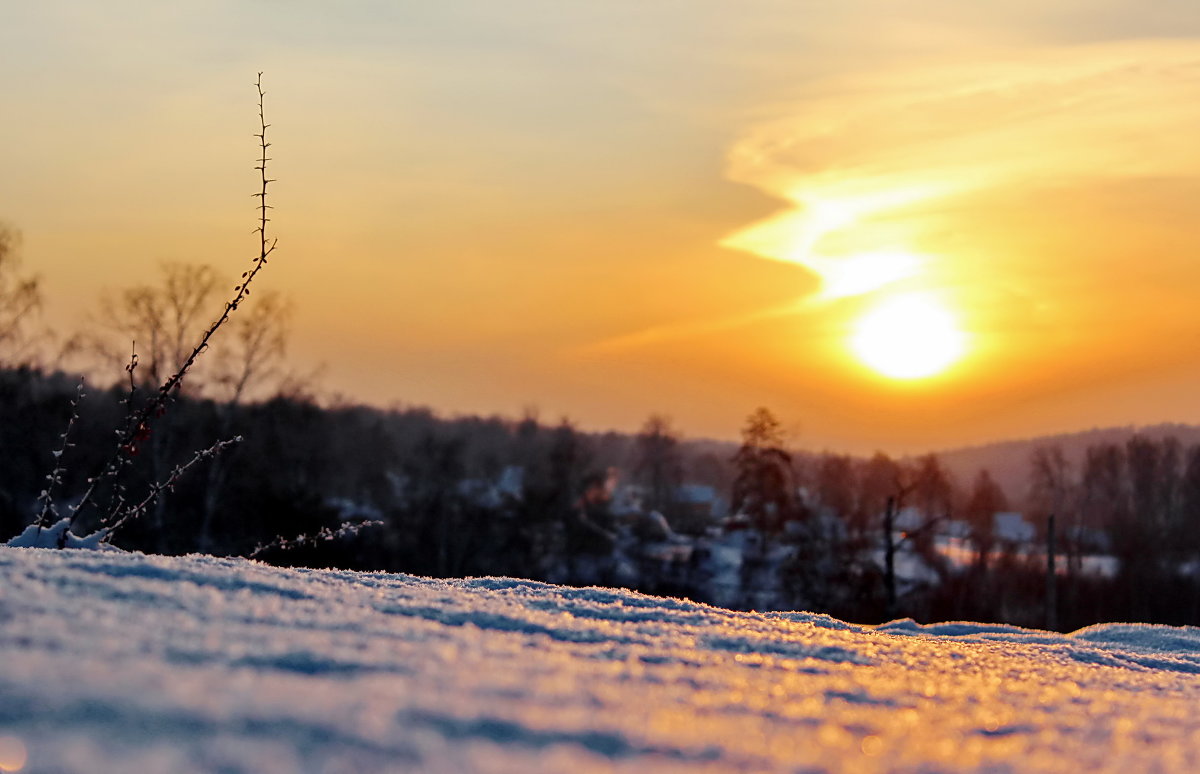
910, 336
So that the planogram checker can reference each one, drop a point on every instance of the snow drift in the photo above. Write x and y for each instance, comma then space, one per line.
115, 662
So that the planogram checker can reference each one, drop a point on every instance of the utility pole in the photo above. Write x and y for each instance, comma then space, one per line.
1051, 579
889, 555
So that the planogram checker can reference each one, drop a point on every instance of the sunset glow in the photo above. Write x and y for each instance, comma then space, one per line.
858, 274
908, 337
577, 216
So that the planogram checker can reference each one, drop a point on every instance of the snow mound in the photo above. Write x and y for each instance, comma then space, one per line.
59, 535
124, 662
1148, 646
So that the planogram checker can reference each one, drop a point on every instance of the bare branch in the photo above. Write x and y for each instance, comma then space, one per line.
346, 529
117, 520
138, 428
48, 512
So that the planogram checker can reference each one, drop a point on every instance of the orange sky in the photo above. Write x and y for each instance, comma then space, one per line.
612, 209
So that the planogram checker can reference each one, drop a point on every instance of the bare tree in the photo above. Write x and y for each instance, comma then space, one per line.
252, 363
932, 488
1054, 492
659, 466
162, 319
836, 485
1050, 485
1104, 495
986, 500
1187, 535
881, 480
20, 298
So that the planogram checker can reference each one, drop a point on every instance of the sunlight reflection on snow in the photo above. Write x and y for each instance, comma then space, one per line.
13, 755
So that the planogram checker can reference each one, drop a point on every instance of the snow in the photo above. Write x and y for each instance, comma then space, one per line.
58, 535
1012, 527
116, 662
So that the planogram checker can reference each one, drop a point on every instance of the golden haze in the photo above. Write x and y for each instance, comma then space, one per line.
481, 213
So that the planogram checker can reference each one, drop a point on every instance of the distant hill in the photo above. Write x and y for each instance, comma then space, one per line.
1008, 461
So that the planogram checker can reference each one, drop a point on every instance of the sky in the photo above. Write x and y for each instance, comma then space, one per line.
607, 210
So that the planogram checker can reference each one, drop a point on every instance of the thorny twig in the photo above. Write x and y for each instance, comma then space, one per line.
158, 487
117, 499
346, 529
137, 429
54, 478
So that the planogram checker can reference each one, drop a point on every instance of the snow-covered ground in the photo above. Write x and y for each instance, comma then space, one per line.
114, 662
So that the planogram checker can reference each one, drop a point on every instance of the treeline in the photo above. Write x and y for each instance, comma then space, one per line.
751, 525
494, 496
864, 539
457, 496
1138, 502
1125, 517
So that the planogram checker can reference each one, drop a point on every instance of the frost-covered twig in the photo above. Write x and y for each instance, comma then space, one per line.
48, 512
109, 526
347, 529
117, 500
138, 428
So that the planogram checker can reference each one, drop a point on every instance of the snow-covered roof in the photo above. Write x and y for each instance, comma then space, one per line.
956, 528
909, 518
511, 481
1012, 527
695, 494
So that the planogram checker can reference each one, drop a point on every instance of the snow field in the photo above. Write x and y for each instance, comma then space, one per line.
115, 662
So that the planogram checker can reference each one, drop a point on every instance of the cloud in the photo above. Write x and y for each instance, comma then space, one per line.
971, 179
873, 165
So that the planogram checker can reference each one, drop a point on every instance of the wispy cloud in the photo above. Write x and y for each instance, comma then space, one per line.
875, 169
870, 164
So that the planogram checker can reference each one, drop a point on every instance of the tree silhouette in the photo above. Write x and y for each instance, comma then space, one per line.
20, 297
658, 467
986, 500
762, 488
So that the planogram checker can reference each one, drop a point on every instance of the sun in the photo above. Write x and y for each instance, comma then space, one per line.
910, 336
